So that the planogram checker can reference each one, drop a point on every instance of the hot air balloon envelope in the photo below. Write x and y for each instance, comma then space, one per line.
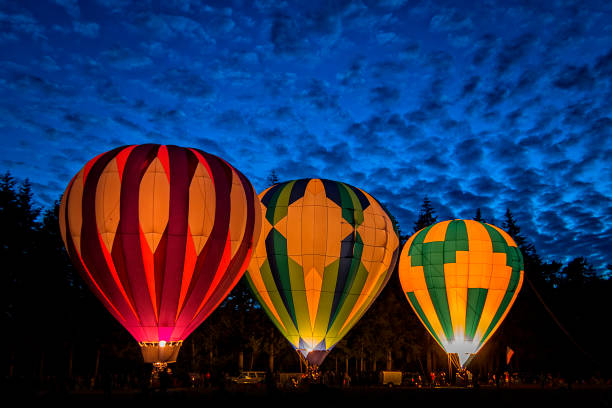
461, 277
326, 251
160, 234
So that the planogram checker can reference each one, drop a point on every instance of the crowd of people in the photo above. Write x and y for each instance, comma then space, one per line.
201, 382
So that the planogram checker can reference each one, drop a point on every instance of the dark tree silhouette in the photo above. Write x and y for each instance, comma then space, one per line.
58, 329
427, 215
272, 178
577, 273
18, 245
478, 216
531, 258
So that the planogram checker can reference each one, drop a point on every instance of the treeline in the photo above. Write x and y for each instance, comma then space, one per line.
55, 329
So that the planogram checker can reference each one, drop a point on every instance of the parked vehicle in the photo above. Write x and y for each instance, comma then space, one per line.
391, 378
250, 377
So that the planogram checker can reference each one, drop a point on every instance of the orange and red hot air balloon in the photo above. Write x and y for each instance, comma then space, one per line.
161, 234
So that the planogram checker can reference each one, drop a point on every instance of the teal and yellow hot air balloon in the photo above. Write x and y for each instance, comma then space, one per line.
461, 277
326, 251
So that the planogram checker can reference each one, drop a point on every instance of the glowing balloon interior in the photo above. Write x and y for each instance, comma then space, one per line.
461, 277
326, 251
161, 234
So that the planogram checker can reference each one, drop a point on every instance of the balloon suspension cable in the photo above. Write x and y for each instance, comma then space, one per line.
552, 315
312, 370
454, 359
469, 360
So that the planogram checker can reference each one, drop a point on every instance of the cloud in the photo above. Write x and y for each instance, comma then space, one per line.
440, 61
484, 48
321, 25
90, 30
164, 26
47, 63
429, 111
167, 116
281, 83
513, 51
108, 91
212, 146
450, 20
286, 35
119, 6
470, 86
486, 186
458, 27
8, 37
603, 66
123, 121
436, 162
184, 83
29, 84
468, 151
495, 96
384, 95
386, 37
568, 32
231, 120
354, 75
392, 4
185, 6
512, 118
71, 7
222, 24
572, 77
124, 58
389, 69
527, 80
21, 23
317, 92
79, 121
333, 159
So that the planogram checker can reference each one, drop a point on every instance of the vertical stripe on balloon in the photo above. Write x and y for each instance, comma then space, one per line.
326, 251
160, 233
482, 274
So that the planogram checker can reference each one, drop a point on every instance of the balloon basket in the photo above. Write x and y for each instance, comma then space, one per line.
158, 368
161, 352
311, 371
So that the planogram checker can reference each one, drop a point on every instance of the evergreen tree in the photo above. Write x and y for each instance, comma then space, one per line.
577, 273
8, 197
551, 272
531, 260
272, 178
8, 252
28, 213
18, 243
511, 227
427, 215
478, 216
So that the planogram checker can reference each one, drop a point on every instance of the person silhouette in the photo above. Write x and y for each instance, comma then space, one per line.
164, 381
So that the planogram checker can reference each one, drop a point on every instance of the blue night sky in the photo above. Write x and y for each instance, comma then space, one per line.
507, 104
